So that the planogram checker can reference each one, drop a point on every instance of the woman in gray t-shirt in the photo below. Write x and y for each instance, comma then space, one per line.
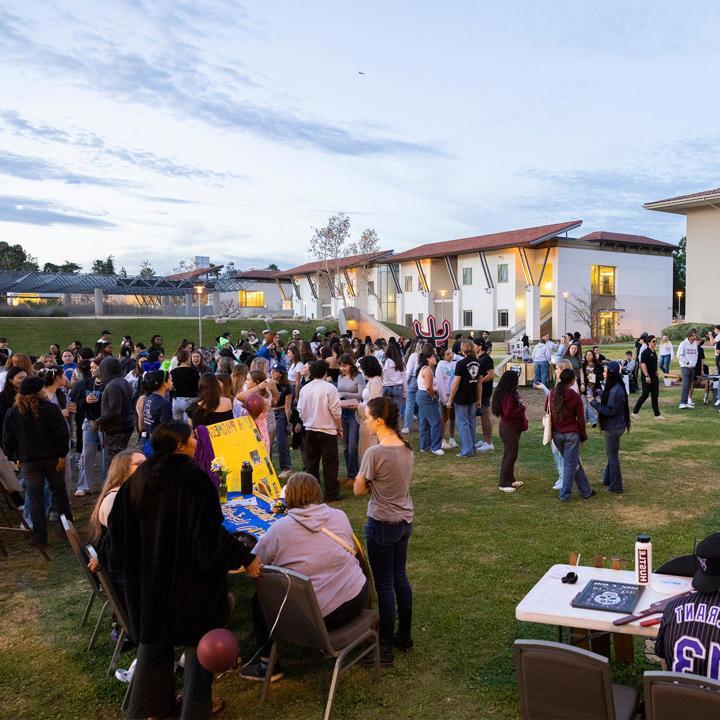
385, 473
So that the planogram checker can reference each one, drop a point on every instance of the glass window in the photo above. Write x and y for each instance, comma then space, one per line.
467, 276
606, 323
408, 319
603, 280
503, 318
420, 317
371, 287
502, 273
408, 283
467, 318
287, 304
251, 298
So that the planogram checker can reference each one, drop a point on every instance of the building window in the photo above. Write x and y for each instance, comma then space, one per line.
408, 319
420, 318
503, 318
607, 322
251, 298
603, 280
408, 283
502, 273
467, 276
287, 304
371, 287
467, 318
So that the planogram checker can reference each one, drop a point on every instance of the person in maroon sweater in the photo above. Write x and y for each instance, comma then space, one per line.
568, 430
506, 405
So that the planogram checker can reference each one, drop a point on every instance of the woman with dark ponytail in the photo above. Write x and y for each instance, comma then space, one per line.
614, 412
385, 473
567, 415
166, 536
156, 409
506, 405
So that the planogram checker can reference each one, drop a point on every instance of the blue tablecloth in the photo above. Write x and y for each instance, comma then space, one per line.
253, 519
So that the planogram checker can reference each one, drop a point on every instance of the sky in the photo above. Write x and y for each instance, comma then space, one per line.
163, 129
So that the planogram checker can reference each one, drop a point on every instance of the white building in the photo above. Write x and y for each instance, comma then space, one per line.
517, 281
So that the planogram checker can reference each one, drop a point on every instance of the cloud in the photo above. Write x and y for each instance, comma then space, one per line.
177, 78
29, 211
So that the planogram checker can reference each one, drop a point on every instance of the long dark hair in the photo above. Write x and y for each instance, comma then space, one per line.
423, 361
507, 385
209, 392
567, 378
346, 359
370, 366
9, 392
392, 352
613, 379
385, 409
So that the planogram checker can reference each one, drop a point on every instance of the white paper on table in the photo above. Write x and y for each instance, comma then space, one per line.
243, 501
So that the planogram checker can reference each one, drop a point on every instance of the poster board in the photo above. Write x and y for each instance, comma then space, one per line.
608, 596
238, 440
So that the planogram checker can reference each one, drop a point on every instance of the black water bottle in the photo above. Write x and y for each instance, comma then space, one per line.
246, 484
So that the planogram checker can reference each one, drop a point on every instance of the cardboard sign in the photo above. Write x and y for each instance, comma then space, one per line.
238, 440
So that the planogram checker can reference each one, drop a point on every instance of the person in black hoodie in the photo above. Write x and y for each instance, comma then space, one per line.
166, 536
36, 433
117, 417
8, 478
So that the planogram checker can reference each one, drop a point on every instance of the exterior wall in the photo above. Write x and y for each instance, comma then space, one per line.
703, 241
416, 302
307, 305
273, 301
643, 287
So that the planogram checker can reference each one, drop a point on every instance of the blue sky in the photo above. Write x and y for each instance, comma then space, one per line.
162, 129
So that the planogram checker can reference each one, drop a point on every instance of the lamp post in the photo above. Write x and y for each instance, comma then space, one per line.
565, 297
679, 294
199, 289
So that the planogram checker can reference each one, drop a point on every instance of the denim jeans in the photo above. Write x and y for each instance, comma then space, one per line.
558, 458
281, 440
395, 393
612, 477
590, 412
665, 363
429, 421
91, 438
36, 473
179, 406
410, 402
351, 441
569, 445
688, 375
387, 545
466, 423
541, 372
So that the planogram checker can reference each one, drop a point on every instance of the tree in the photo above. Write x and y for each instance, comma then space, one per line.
123, 272
329, 245
69, 268
368, 243
273, 267
14, 257
586, 310
679, 265
229, 270
104, 267
146, 270
185, 265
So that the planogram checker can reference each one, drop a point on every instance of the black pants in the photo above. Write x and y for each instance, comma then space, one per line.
651, 388
35, 473
510, 435
336, 619
153, 689
115, 443
320, 445
612, 476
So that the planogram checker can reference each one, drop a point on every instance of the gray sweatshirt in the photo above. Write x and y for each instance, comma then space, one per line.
295, 542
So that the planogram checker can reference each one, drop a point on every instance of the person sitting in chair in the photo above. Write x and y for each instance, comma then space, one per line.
317, 541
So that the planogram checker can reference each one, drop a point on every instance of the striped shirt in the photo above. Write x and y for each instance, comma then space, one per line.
689, 635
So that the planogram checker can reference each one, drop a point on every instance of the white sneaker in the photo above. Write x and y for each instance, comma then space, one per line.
484, 447
438, 452
660, 417
717, 402
558, 485
405, 431
635, 415
79, 493
452, 443
684, 406
446, 445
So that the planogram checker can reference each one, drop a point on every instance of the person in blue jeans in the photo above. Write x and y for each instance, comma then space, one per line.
568, 431
350, 385
429, 420
466, 397
385, 474
282, 409
411, 371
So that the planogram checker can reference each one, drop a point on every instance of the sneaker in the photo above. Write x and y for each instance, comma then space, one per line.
684, 406
460, 455
79, 493
438, 452
717, 402
445, 445
484, 447
285, 474
558, 485
452, 443
636, 415
660, 417
507, 489
405, 431
256, 671
423, 451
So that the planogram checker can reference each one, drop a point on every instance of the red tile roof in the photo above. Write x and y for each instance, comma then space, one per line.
495, 241
257, 274
198, 272
344, 263
625, 239
692, 196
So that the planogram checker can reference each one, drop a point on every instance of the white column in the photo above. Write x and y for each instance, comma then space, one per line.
532, 312
216, 302
99, 302
457, 308
188, 304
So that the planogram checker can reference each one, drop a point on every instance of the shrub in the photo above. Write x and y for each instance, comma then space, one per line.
32, 311
680, 331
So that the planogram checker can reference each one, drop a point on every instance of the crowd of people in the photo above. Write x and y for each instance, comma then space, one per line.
85, 405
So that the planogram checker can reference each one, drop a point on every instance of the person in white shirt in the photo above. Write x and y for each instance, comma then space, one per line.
320, 412
444, 374
687, 355
410, 376
394, 375
541, 362
665, 354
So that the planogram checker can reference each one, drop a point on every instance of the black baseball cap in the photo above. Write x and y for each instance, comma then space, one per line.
707, 575
106, 332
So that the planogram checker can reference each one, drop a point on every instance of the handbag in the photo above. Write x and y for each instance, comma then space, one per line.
547, 428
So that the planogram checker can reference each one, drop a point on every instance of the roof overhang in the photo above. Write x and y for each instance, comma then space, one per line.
550, 236
680, 206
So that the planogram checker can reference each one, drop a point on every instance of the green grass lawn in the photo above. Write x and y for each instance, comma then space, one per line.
474, 553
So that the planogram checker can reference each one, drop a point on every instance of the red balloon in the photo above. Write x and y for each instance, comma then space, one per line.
255, 404
217, 650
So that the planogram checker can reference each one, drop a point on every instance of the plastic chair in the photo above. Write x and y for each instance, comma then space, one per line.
670, 695
292, 613
683, 566
565, 683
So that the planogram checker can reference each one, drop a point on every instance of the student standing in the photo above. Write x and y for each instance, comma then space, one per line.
486, 375
411, 375
350, 385
649, 379
444, 373
372, 372
185, 381
687, 355
282, 407
666, 354
116, 411
429, 422
393, 375
541, 363
466, 397
506, 405
614, 421
157, 409
385, 473
590, 375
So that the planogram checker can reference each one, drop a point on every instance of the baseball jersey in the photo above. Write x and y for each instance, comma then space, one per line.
689, 636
